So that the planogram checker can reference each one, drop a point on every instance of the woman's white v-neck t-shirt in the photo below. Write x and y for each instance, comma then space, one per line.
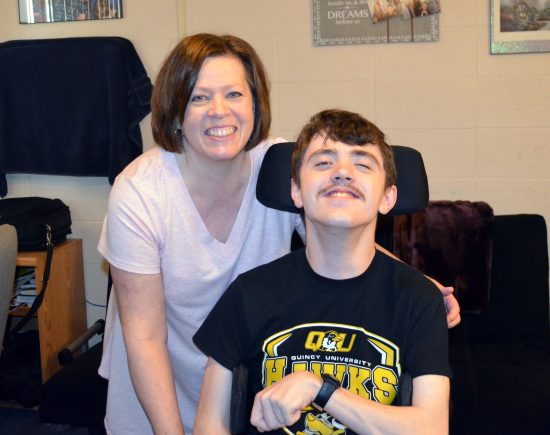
152, 226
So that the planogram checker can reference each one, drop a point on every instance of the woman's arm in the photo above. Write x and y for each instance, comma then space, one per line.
213, 411
140, 303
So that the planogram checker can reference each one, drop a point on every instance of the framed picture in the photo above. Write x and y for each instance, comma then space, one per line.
54, 11
520, 26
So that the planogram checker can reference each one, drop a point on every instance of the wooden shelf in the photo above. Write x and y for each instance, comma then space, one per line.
62, 315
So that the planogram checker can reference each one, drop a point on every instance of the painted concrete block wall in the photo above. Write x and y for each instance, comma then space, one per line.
482, 122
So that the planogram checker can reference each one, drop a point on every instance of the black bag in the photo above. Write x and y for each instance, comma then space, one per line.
36, 220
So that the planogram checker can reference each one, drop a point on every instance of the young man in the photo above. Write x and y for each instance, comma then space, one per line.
326, 332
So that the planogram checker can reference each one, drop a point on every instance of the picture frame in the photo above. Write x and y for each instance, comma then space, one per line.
55, 11
520, 26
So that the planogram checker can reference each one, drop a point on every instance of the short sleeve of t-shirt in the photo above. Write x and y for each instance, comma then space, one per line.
130, 239
427, 350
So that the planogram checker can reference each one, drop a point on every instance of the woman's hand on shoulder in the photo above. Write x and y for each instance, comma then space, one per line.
451, 304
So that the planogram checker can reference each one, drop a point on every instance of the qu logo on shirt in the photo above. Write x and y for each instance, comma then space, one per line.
329, 341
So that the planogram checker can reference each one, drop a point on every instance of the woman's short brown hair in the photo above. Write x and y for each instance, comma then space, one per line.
346, 127
178, 75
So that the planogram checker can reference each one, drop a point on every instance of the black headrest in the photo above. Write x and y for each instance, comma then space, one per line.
273, 188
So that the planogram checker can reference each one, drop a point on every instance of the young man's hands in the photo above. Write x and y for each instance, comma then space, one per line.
280, 404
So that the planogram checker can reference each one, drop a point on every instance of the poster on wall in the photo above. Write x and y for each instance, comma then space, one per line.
520, 26
347, 22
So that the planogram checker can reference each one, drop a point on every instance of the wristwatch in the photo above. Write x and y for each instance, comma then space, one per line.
330, 385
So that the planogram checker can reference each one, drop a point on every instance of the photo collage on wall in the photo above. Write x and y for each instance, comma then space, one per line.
406, 9
345, 22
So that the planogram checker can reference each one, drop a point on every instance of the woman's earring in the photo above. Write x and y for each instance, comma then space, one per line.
178, 131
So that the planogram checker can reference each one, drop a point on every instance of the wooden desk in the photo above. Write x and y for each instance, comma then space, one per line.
62, 315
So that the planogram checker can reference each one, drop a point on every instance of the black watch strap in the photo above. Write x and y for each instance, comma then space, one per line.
330, 385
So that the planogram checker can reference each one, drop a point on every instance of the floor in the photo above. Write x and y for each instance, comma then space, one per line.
25, 420
17, 420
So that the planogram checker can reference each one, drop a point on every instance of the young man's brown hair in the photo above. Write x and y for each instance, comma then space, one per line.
346, 127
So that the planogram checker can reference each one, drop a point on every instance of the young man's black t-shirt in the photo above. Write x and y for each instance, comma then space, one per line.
282, 317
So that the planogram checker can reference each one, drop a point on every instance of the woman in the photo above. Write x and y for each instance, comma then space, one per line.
182, 223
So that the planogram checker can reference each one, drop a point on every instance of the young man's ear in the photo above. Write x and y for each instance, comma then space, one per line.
388, 200
296, 194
